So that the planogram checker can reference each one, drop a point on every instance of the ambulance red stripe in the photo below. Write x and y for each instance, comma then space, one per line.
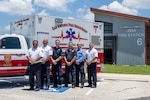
14, 63
18, 67
12, 72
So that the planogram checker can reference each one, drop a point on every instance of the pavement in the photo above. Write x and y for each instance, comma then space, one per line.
109, 87
127, 77
125, 86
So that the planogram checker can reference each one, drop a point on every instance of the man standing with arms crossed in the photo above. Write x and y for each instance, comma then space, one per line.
56, 64
47, 51
91, 61
70, 58
34, 56
80, 65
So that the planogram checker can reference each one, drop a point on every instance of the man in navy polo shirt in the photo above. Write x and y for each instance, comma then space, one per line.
56, 64
70, 58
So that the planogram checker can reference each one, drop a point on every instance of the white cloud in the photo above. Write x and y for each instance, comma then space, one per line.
80, 10
1, 30
7, 28
19, 7
43, 12
60, 5
85, 6
85, 14
89, 16
138, 4
126, 6
119, 7
71, 18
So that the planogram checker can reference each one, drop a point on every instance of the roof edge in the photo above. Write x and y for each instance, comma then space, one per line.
128, 16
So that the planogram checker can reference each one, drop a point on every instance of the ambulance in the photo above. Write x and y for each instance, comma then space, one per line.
15, 45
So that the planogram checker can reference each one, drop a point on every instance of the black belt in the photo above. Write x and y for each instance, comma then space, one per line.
35, 63
93, 62
82, 62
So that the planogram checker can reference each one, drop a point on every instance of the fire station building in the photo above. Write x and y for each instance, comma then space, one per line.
126, 37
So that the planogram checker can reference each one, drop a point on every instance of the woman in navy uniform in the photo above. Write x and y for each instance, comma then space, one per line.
56, 64
70, 58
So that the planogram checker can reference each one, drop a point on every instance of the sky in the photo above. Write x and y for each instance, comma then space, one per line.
11, 10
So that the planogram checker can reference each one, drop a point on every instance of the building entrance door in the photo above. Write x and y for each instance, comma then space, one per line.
109, 50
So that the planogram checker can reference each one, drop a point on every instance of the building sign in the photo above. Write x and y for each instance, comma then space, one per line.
130, 35
132, 32
69, 32
69, 25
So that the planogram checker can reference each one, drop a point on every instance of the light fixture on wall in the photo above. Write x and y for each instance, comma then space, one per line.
20, 24
39, 19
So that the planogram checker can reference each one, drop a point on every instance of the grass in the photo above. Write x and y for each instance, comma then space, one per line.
144, 70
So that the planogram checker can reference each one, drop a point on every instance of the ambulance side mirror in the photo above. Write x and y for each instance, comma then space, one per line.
3, 43
0, 44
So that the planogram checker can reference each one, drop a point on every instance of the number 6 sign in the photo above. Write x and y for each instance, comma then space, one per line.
139, 41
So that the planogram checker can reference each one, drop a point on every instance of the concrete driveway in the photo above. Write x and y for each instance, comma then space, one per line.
110, 87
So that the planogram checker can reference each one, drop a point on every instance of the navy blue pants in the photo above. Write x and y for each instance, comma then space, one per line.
35, 69
80, 70
73, 74
92, 74
57, 74
45, 74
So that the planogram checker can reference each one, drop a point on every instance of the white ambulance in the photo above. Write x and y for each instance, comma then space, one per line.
13, 47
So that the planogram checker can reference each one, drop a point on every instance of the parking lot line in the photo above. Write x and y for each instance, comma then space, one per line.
91, 90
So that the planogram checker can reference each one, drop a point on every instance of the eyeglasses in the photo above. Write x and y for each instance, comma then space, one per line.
35, 44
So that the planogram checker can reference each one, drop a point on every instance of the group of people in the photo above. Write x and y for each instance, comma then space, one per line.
39, 65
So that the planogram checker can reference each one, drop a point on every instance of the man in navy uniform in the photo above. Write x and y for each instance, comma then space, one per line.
34, 56
91, 61
80, 65
56, 64
45, 72
70, 58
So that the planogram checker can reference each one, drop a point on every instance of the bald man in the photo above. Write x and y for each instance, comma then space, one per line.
34, 56
80, 65
47, 50
91, 61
